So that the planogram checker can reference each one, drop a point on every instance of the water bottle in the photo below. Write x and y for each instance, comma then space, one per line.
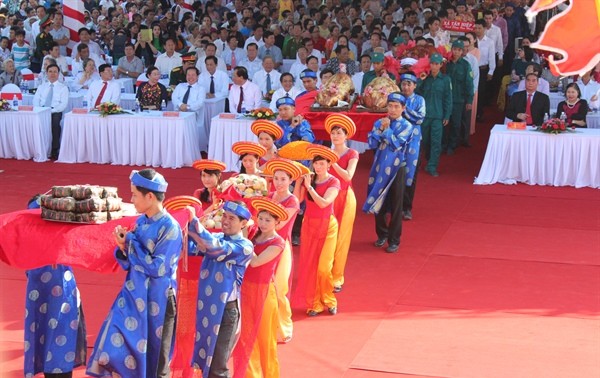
163, 106
137, 106
563, 117
84, 104
143, 61
15, 102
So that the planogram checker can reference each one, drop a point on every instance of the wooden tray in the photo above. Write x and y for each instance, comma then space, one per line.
334, 109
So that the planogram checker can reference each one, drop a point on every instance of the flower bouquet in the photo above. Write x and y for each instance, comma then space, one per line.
243, 186
553, 126
269, 95
5, 106
108, 108
262, 113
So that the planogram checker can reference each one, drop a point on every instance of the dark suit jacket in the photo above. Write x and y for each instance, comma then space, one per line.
540, 105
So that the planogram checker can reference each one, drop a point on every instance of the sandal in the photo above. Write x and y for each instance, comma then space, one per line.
312, 313
337, 289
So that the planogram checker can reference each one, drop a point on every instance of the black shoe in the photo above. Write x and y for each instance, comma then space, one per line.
332, 310
392, 248
295, 240
466, 144
433, 172
337, 289
380, 242
407, 215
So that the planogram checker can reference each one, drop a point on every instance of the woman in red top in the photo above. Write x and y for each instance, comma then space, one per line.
574, 107
255, 354
284, 173
314, 287
340, 127
267, 132
210, 174
250, 154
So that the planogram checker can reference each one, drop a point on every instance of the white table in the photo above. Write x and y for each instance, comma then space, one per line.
144, 139
593, 120
26, 135
223, 134
533, 157
75, 100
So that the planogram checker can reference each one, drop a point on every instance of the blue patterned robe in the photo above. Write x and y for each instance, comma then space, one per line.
415, 110
397, 148
293, 134
223, 267
130, 338
54, 337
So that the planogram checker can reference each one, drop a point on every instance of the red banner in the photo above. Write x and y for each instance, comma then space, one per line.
459, 26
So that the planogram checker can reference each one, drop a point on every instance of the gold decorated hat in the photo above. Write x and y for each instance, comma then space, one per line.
266, 204
318, 150
252, 148
264, 126
285, 165
207, 164
340, 120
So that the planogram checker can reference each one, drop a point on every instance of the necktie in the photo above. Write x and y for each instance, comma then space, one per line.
287, 94
268, 82
268, 52
233, 61
239, 107
186, 96
48, 103
529, 120
212, 85
99, 98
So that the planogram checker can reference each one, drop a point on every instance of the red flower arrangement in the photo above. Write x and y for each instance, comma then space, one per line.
262, 113
108, 108
553, 126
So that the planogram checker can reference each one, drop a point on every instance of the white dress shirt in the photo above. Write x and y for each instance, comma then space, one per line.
61, 61
474, 68
93, 46
252, 66
77, 65
316, 53
357, 81
487, 52
165, 64
495, 34
195, 100
112, 93
260, 79
221, 80
221, 66
442, 38
60, 96
296, 68
282, 93
76, 84
251, 39
543, 86
252, 97
240, 55
588, 90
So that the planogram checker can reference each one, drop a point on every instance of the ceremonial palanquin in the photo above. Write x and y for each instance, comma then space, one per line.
338, 88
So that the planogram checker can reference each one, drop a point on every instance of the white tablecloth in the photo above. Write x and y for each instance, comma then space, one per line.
75, 100
533, 157
223, 134
145, 139
26, 135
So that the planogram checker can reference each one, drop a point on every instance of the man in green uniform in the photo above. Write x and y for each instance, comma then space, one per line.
461, 76
178, 73
437, 91
43, 41
378, 71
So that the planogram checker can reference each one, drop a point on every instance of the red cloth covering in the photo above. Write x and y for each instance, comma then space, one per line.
364, 122
27, 241
253, 293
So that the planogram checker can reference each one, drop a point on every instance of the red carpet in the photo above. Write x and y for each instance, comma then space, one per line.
494, 281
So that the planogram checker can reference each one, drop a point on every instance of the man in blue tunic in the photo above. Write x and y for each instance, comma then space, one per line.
394, 165
136, 338
415, 114
226, 257
54, 324
294, 127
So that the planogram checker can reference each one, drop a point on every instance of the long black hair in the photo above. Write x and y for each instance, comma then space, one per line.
205, 193
313, 181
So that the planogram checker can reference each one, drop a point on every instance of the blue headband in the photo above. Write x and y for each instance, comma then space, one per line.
409, 77
237, 209
285, 101
397, 97
308, 74
157, 184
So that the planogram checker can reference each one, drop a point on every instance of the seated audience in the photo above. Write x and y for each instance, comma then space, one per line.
530, 105
574, 107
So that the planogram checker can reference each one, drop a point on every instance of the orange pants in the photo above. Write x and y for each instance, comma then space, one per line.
346, 225
323, 295
282, 286
263, 360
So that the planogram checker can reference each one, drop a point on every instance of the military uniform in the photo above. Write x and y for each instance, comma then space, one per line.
461, 75
437, 92
177, 75
42, 43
